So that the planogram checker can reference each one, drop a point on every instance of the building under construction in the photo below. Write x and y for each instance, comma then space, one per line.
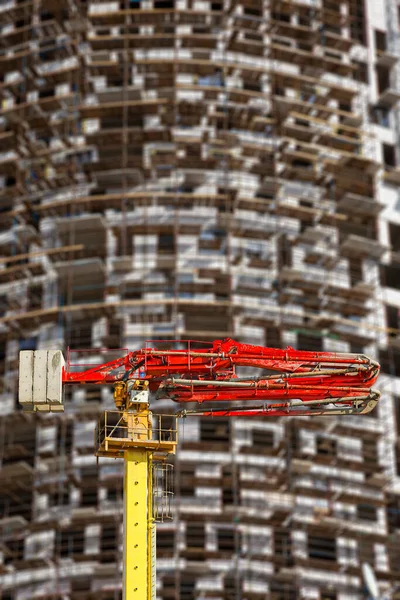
201, 169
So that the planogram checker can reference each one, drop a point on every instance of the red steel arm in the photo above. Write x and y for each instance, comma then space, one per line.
220, 361
209, 375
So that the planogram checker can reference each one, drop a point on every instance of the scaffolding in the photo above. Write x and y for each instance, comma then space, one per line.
201, 169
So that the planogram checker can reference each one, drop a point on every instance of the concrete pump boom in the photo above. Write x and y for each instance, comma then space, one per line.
291, 383
209, 375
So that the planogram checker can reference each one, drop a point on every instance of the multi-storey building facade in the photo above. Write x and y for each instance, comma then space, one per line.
201, 169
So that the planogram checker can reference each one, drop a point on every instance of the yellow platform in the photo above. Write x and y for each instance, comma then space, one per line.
118, 431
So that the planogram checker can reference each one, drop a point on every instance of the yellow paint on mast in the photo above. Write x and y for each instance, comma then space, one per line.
136, 493
151, 535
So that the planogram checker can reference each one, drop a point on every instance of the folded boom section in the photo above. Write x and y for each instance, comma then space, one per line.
304, 382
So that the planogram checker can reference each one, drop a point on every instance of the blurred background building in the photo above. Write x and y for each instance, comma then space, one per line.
201, 169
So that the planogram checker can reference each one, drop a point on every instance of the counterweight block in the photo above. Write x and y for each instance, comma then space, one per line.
40, 380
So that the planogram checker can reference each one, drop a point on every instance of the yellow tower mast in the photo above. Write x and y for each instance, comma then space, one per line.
130, 433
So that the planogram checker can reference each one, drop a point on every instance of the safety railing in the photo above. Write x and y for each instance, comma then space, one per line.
184, 346
118, 431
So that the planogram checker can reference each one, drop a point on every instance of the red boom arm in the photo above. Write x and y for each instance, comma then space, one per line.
307, 382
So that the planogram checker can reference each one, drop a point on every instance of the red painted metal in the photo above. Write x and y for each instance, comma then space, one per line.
321, 380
